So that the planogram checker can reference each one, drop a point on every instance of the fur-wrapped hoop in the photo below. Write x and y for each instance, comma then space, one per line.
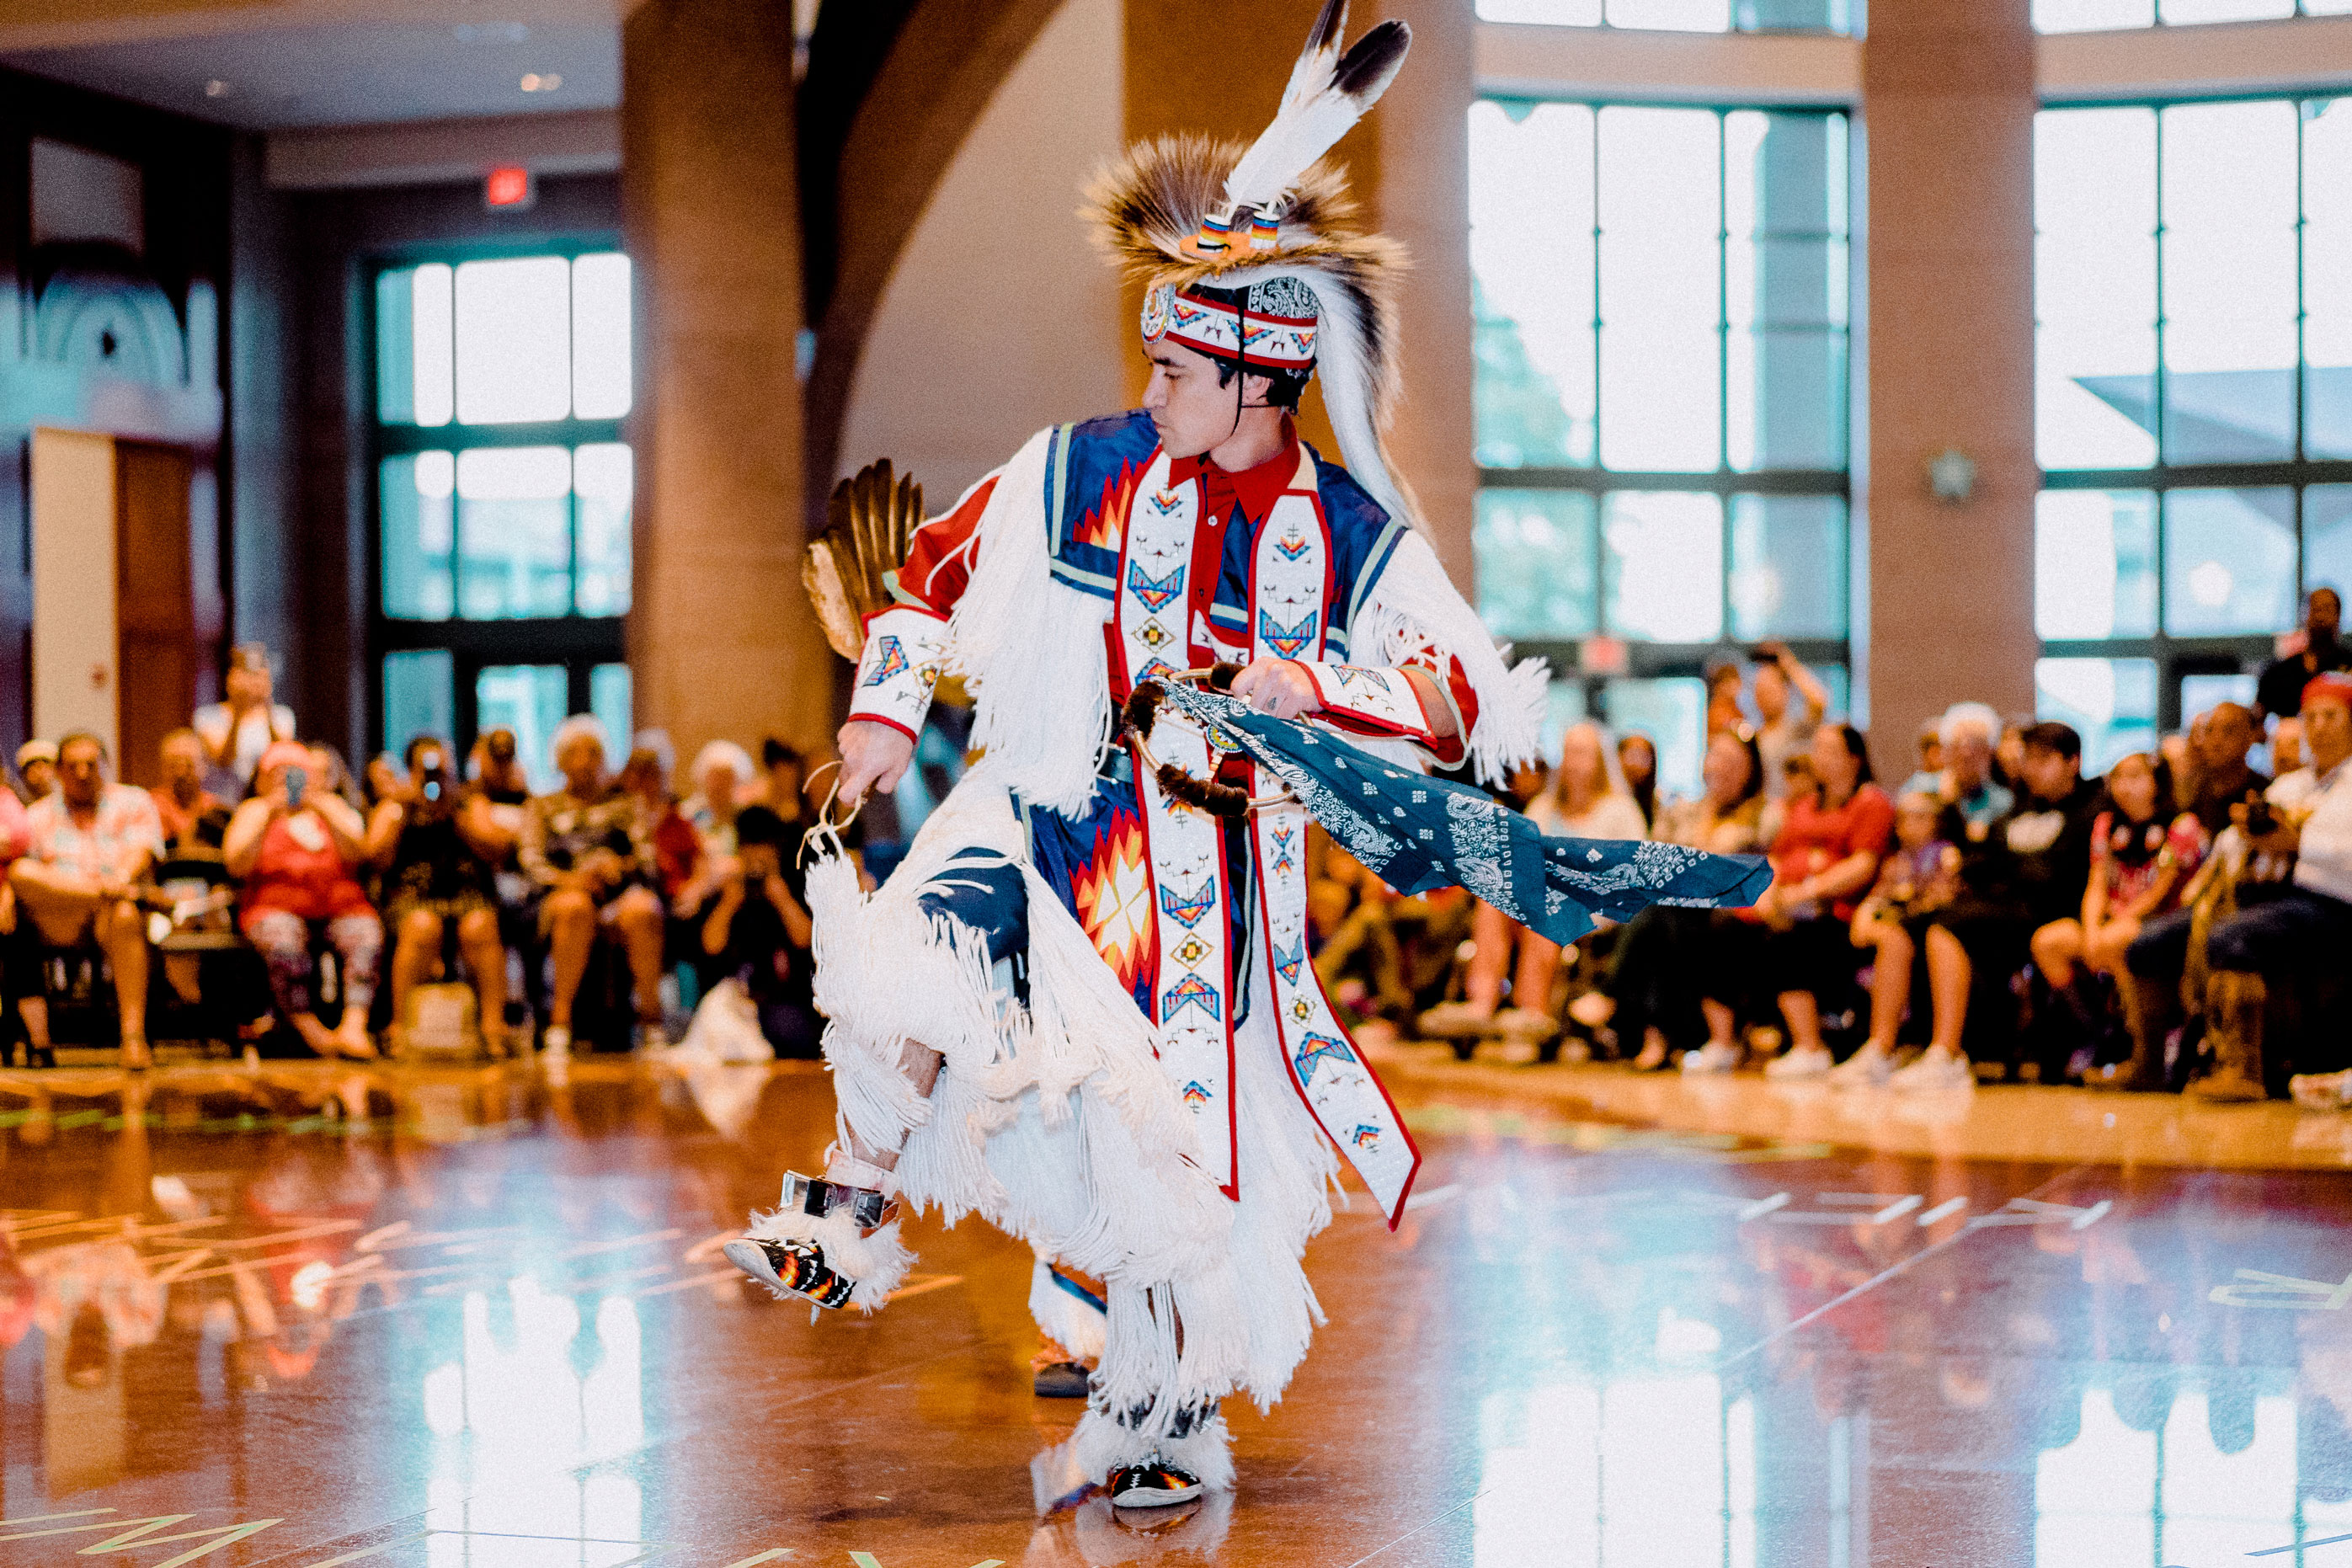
878, 1263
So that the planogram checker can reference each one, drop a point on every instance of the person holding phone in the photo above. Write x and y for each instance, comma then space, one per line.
298, 847
438, 845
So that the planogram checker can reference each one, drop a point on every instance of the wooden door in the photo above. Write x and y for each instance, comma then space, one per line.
155, 602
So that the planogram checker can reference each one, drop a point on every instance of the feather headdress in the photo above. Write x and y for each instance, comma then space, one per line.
1258, 252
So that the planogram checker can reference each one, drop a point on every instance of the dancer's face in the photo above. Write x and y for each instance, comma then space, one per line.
1190, 410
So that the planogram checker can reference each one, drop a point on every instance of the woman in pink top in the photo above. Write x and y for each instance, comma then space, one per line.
296, 846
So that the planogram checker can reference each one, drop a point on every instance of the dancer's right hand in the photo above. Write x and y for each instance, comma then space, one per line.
873, 756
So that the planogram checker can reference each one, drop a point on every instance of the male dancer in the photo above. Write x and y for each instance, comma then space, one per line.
1082, 1007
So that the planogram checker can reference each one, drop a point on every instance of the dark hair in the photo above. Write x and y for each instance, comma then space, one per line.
774, 753
2051, 736
1859, 749
72, 737
756, 824
1284, 389
418, 744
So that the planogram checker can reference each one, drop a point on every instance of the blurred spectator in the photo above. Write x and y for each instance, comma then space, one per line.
383, 779
1637, 763
1919, 877
2179, 751
2009, 754
786, 778
756, 932
677, 848
2225, 734
1786, 730
580, 849
2027, 876
2305, 928
1723, 709
1649, 992
2144, 850
1931, 758
234, 733
2286, 746
2315, 650
1586, 800
37, 770
298, 849
87, 847
439, 845
190, 813
1965, 785
497, 768
721, 772
1824, 859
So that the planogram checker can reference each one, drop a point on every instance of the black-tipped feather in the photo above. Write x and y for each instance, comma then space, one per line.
1366, 71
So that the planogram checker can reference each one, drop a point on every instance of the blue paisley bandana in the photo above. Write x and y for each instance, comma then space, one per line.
1418, 834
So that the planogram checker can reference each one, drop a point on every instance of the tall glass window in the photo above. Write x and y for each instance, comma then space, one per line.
1660, 301
2100, 16
1680, 15
502, 489
2193, 292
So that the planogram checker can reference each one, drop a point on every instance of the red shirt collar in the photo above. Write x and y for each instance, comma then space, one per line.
1254, 487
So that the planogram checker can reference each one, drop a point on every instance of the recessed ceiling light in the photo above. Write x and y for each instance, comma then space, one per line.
534, 82
216, 88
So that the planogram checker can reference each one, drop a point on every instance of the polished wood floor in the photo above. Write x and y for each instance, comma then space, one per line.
313, 1316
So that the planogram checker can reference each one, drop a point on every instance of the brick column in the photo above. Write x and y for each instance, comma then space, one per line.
1948, 129
722, 639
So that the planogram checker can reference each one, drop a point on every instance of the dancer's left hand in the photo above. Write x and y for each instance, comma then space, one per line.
1276, 686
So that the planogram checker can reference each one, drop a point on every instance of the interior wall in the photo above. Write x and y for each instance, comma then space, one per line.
74, 630
1001, 317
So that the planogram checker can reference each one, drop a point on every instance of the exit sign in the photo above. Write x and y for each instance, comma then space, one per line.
508, 188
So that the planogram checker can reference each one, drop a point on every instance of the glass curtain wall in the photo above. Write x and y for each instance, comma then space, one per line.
2100, 16
502, 495
1660, 334
2193, 287
1680, 15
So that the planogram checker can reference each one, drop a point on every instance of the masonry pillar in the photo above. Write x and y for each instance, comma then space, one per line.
1947, 124
722, 639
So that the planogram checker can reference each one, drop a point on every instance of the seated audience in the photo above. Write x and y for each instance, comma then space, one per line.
756, 933
1637, 763
1586, 800
1649, 992
1919, 878
677, 848
2027, 875
1967, 785
1786, 730
780, 790
2286, 746
1824, 859
438, 846
299, 848
1931, 762
2315, 650
2009, 754
2221, 739
37, 770
1723, 709
721, 772
87, 847
2144, 850
2305, 927
236, 731
192, 816
581, 851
